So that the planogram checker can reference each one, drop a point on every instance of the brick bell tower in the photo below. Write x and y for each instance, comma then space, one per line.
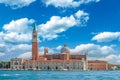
35, 43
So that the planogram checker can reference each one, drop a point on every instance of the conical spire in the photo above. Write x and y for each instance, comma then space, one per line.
35, 28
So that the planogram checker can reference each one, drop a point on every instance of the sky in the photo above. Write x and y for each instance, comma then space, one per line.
86, 26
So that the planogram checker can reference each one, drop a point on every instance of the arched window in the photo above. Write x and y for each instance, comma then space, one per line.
48, 68
30, 66
37, 67
56, 67
16, 63
23, 67
68, 68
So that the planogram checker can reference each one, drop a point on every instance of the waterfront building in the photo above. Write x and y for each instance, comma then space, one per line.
65, 60
17, 64
113, 66
97, 65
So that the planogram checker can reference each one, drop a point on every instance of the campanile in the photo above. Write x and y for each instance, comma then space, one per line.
35, 43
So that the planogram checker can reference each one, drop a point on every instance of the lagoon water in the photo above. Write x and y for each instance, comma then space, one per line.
59, 75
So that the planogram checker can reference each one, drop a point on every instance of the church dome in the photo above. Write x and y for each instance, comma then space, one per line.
65, 49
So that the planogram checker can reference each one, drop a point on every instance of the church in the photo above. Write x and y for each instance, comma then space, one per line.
65, 60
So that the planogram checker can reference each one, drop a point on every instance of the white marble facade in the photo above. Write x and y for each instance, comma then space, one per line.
17, 64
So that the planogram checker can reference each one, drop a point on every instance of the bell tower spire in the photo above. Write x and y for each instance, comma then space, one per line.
35, 43
35, 28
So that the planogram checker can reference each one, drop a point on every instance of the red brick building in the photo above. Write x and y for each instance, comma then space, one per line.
97, 65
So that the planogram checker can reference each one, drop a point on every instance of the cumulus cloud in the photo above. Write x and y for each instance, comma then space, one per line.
15, 38
67, 3
14, 48
15, 4
20, 30
21, 25
8, 51
17, 31
57, 24
115, 59
98, 52
26, 55
2, 47
59, 47
2, 54
20, 48
107, 36
93, 50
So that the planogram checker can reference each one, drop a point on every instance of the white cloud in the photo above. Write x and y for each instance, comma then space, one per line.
3, 48
2, 45
57, 24
22, 25
17, 34
107, 36
11, 49
2, 54
107, 50
15, 37
113, 58
59, 47
17, 31
15, 4
8, 51
97, 52
67, 3
21, 48
26, 55
20, 30
93, 50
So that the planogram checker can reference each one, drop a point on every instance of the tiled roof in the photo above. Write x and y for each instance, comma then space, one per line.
54, 60
96, 61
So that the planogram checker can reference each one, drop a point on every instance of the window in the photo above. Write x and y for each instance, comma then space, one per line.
56, 67
16, 63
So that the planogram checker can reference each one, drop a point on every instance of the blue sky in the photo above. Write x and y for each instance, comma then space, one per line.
84, 25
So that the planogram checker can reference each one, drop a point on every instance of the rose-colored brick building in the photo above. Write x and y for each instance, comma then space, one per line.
97, 65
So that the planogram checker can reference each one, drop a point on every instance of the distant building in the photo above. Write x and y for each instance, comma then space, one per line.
97, 65
113, 67
17, 63
65, 60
